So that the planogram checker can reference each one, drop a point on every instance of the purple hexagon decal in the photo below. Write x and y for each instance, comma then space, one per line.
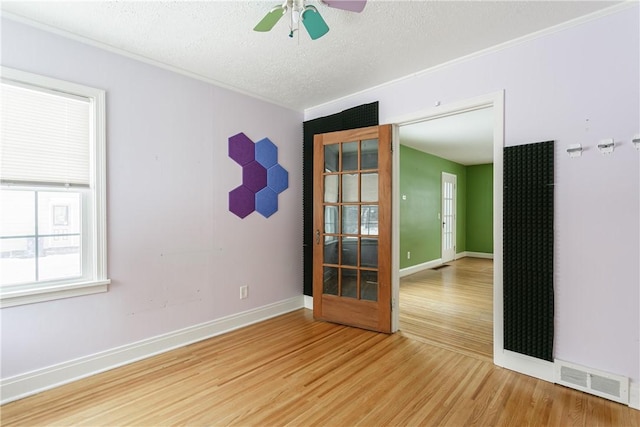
241, 149
262, 176
266, 153
242, 201
254, 176
277, 178
266, 202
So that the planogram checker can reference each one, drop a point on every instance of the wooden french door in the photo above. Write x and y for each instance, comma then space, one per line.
352, 228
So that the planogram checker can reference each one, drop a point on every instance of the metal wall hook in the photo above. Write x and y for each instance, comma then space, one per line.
606, 146
574, 150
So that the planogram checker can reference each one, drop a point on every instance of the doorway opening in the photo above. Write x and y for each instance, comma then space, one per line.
448, 306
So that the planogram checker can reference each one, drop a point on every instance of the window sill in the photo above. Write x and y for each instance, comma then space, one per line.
13, 297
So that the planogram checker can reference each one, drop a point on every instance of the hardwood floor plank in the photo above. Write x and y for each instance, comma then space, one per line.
292, 370
451, 307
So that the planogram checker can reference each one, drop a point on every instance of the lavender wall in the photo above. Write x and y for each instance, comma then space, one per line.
177, 256
552, 85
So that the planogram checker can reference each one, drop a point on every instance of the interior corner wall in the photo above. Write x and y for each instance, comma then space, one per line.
576, 84
420, 223
176, 256
480, 208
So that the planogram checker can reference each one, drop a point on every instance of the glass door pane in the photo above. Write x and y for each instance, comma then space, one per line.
369, 154
351, 219
369, 287
349, 156
369, 187
350, 188
349, 279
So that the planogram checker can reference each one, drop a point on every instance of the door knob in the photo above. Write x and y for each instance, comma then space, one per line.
317, 237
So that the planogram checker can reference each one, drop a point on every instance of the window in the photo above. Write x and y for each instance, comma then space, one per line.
52, 195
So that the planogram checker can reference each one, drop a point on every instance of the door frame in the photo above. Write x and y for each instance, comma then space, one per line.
455, 216
495, 100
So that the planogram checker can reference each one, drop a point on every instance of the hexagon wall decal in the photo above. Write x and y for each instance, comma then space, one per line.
254, 176
241, 149
242, 201
266, 202
266, 153
277, 178
263, 178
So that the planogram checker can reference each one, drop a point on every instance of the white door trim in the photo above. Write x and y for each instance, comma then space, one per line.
516, 362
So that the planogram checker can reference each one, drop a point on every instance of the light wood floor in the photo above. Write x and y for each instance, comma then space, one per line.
292, 370
451, 307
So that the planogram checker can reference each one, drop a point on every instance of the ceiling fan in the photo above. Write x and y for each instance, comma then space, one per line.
308, 14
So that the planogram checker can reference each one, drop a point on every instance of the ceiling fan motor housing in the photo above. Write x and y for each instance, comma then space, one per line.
308, 14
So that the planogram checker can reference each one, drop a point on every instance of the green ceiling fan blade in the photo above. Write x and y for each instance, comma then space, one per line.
313, 22
270, 19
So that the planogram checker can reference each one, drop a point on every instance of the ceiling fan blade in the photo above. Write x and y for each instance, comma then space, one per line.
270, 19
313, 22
350, 5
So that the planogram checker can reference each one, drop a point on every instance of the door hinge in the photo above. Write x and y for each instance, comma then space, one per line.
393, 303
391, 147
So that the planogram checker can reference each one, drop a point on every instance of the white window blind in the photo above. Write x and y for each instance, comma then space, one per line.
45, 137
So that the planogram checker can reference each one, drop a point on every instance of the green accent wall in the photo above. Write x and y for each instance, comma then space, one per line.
480, 208
420, 224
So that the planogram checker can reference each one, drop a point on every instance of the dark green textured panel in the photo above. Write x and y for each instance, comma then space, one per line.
528, 249
353, 118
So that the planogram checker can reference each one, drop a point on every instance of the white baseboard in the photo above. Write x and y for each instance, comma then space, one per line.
634, 395
308, 302
545, 371
419, 267
436, 262
30, 383
527, 365
474, 255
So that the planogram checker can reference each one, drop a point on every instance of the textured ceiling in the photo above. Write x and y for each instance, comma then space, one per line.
214, 39
464, 138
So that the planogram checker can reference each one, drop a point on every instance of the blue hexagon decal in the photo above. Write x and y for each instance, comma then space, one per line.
266, 153
263, 179
277, 178
266, 202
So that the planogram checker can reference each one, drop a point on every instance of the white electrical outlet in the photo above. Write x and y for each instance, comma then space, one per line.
408, 254
244, 292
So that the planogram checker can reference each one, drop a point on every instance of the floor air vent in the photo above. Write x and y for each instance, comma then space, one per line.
609, 386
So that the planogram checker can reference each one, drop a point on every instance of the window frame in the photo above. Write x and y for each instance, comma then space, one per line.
97, 281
